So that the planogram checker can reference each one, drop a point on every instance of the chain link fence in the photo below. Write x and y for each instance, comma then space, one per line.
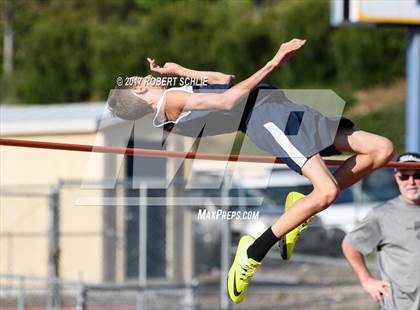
115, 243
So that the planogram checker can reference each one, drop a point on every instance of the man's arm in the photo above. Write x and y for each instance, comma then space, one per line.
233, 96
374, 287
171, 68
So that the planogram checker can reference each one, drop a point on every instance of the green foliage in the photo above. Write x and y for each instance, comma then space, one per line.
312, 66
388, 122
347, 95
2, 90
53, 60
73, 50
120, 55
368, 56
184, 37
2, 31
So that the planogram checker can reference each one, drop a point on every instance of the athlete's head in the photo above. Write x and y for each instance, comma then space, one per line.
134, 97
408, 180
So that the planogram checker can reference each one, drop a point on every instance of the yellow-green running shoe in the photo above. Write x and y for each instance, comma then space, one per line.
287, 242
241, 271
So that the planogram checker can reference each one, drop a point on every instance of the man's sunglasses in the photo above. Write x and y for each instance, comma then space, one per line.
405, 177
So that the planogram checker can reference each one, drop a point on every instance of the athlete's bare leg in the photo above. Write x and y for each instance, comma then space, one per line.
372, 151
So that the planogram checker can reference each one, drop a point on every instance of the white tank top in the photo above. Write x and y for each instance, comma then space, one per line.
160, 120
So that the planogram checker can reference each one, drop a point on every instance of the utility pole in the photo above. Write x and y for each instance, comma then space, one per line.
178, 266
412, 135
54, 248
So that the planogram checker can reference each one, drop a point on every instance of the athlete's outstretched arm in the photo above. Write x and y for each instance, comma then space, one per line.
171, 68
233, 96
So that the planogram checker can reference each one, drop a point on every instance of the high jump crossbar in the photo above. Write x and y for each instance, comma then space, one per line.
172, 154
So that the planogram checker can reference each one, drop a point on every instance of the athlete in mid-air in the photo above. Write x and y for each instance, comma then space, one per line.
292, 132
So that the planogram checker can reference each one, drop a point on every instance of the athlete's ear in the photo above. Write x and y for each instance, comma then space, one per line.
140, 90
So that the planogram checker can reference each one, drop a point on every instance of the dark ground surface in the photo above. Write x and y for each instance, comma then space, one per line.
306, 282
297, 285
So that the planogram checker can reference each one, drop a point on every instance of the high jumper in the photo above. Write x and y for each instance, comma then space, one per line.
295, 133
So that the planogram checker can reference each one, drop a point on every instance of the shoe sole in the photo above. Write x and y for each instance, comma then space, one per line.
295, 196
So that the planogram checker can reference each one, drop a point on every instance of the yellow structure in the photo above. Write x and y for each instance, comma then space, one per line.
90, 248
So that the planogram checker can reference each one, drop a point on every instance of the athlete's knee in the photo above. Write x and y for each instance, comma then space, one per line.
326, 195
388, 150
383, 153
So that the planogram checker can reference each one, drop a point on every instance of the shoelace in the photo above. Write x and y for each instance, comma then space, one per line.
247, 272
304, 225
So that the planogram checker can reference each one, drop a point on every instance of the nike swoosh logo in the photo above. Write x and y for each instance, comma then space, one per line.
235, 291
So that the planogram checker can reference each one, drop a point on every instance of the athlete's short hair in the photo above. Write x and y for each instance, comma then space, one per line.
123, 103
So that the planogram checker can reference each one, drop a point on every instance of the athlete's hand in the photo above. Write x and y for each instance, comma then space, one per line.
286, 51
170, 68
375, 288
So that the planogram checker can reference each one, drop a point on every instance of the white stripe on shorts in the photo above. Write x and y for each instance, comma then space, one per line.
285, 144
